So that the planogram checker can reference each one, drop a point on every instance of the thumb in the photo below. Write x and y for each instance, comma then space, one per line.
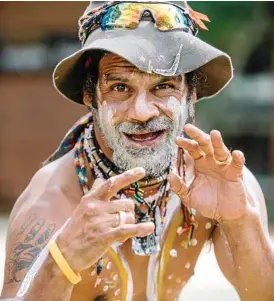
179, 187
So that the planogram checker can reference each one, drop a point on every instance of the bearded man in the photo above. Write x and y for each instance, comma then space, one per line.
122, 209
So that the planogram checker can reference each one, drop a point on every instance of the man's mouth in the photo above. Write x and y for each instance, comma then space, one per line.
146, 139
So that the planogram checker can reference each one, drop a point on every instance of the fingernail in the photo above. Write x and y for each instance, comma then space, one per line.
138, 171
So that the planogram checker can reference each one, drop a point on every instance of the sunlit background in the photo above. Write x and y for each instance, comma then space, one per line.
34, 36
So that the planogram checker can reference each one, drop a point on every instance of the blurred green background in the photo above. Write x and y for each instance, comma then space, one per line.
34, 36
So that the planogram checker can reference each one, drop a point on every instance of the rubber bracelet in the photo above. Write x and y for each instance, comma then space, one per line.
63, 264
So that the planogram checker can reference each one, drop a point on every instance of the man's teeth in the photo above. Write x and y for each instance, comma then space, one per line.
144, 137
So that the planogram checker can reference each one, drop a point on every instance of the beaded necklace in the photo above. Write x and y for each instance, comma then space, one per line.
153, 209
77, 138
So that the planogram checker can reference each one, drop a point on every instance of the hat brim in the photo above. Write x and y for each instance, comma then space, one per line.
150, 50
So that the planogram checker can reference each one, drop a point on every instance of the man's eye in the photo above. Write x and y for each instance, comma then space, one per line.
120, 88
164, 87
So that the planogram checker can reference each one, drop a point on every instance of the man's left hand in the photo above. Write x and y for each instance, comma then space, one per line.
218, 190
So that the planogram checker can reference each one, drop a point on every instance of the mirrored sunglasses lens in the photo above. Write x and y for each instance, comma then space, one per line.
170, 18
123, 15
127, 15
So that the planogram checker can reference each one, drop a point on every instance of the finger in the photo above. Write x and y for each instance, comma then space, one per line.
238, 162
129, 218
97, 207
110, 187
201, 137
178, 186
191, 146
126, 231
96, 184
221, 152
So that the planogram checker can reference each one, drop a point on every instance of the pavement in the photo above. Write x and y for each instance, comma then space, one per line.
208, 284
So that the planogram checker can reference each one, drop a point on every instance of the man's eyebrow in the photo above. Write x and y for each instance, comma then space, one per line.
161, 79
119, 78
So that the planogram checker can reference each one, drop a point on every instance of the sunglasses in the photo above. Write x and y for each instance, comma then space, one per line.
128, 15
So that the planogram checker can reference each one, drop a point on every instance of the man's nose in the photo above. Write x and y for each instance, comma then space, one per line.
141, 109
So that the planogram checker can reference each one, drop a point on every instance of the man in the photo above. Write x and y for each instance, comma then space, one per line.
123, 208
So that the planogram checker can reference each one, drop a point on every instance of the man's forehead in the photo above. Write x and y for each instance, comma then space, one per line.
112, 65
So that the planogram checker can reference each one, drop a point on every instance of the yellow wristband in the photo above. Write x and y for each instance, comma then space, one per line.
63, 264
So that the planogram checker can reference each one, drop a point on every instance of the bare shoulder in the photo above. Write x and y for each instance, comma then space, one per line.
39, 212
55, 180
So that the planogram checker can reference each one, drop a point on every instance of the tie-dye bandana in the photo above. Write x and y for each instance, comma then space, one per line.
71, 138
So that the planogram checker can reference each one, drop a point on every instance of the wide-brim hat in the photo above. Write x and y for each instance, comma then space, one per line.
150, 50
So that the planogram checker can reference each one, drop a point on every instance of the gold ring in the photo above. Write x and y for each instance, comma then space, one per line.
122, 217
225, 162
201, 156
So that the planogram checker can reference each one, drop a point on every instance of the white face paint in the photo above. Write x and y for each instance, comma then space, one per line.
155, 160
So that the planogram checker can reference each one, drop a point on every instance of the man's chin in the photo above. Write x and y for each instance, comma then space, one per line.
154, 164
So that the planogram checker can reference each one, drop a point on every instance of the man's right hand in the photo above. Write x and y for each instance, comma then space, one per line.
95, 223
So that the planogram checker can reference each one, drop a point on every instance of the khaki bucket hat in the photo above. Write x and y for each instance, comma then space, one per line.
168, 53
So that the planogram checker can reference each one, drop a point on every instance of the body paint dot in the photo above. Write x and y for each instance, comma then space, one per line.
117, 292
180, 230
208, 225
115, 277
194, 242
173, 253
108, 266
170, 277
93, 273
105, 288
187, 266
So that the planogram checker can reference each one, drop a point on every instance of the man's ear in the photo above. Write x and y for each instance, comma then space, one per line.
87, 99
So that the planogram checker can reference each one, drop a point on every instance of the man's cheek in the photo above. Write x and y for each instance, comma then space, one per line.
173, 104
106, 114
171, 107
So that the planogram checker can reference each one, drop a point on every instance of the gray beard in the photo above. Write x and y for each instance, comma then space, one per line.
155, 160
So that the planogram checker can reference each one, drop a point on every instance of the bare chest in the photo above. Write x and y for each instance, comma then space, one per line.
128, 277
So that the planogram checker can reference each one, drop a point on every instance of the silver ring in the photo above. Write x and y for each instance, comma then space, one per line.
122, 217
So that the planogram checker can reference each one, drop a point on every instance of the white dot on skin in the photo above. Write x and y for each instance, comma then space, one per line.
208, 225
173, 253
105, 288
170, 277
93, 273
194, 242
108, 266
187, 266
179, 230
117, 292
115, 277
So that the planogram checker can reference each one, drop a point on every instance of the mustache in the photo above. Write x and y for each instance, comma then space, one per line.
154, 125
